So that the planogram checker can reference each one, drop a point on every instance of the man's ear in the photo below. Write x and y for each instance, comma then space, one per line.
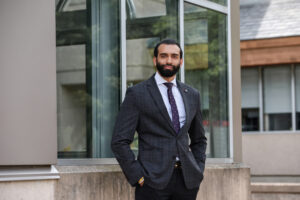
154, 61
181, 61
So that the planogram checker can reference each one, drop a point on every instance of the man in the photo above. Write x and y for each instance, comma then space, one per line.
166, 114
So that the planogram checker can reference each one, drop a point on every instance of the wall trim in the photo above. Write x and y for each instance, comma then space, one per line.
272, 51
28, 173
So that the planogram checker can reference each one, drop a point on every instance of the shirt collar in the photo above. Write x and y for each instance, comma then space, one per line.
160, 80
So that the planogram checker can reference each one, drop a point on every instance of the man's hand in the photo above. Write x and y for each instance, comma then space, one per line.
141, 181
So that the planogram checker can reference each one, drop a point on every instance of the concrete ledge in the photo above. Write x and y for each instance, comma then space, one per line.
116, 168
26, 173
231, 181
275, 187
88, 168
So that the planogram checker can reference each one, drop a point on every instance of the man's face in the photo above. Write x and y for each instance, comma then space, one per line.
168, 60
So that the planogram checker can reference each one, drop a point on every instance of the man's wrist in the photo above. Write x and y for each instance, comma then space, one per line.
141, 181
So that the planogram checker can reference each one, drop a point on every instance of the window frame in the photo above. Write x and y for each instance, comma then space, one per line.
261, 103
226, 10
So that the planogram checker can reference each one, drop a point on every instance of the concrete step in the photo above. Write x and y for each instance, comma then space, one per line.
275, 191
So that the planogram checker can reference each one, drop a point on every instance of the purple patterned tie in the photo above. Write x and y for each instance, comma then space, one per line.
175, 116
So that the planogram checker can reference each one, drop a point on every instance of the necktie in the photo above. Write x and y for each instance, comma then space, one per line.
175, 116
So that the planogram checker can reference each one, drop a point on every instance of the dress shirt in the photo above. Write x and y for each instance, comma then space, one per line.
177, 96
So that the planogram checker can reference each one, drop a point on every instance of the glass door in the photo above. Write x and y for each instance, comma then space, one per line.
205, 68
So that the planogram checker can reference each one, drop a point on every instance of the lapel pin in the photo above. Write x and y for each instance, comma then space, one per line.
186, 90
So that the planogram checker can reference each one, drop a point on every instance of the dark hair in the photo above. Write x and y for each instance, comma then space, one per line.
167, 41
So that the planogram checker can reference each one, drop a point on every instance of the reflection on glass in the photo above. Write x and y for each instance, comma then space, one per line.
71, 95
139, 59
206, 70
250, 119
143, 34
250, 99
70, 5
71, 78
146, 8
222, 2
88, 71
277, 98
297, 89
159, 21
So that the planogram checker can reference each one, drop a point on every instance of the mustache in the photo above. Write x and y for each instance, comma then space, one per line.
174, 66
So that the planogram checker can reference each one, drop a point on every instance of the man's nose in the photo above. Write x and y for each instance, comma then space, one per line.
169, 60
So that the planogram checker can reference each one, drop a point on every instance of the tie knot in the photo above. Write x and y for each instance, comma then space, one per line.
169, 85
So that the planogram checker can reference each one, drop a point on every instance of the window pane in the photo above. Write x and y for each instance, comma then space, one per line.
222, 2
142, 36
146, 8
250, 88
139, 59
88, 71
71, 79
297, 88
71, 105
206, 70
277, 98
250, 100
250, 119
70, 5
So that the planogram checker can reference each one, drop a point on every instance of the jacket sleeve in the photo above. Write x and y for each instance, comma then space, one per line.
197, 135
123, 135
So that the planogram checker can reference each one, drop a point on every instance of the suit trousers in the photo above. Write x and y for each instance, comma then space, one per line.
175, 190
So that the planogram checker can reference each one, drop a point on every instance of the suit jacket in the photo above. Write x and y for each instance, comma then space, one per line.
144, 111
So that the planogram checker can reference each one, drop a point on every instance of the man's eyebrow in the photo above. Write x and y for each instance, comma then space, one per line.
167, 53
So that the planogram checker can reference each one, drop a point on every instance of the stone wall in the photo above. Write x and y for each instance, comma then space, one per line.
107, 182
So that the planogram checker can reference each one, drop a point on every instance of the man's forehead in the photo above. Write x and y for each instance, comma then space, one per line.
169, 48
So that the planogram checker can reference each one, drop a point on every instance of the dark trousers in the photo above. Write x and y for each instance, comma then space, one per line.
175, 190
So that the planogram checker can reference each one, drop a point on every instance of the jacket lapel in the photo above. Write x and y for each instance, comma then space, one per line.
184, 93
155, 93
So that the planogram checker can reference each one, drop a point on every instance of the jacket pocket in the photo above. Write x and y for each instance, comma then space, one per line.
194, 162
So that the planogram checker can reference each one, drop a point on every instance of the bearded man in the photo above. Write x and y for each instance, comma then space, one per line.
167, 117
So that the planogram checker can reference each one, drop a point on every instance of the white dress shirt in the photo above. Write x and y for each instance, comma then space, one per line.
177, 96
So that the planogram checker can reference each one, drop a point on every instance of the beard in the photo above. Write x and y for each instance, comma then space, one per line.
167, 72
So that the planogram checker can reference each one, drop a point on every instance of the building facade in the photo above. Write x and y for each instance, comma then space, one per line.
65, 67
270, 42
270, 96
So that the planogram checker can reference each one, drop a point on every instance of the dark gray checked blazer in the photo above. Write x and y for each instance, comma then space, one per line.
144, 111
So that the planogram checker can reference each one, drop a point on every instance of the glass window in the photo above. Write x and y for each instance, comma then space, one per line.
206, 69
71, 94
250, 99
277, 98
159, 21
297, 90
143, 34
88, 71
222, 2
146, 8
89, 67
70, 5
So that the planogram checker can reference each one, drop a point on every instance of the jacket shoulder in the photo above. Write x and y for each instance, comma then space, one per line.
189, 88
137, 91
140, 86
